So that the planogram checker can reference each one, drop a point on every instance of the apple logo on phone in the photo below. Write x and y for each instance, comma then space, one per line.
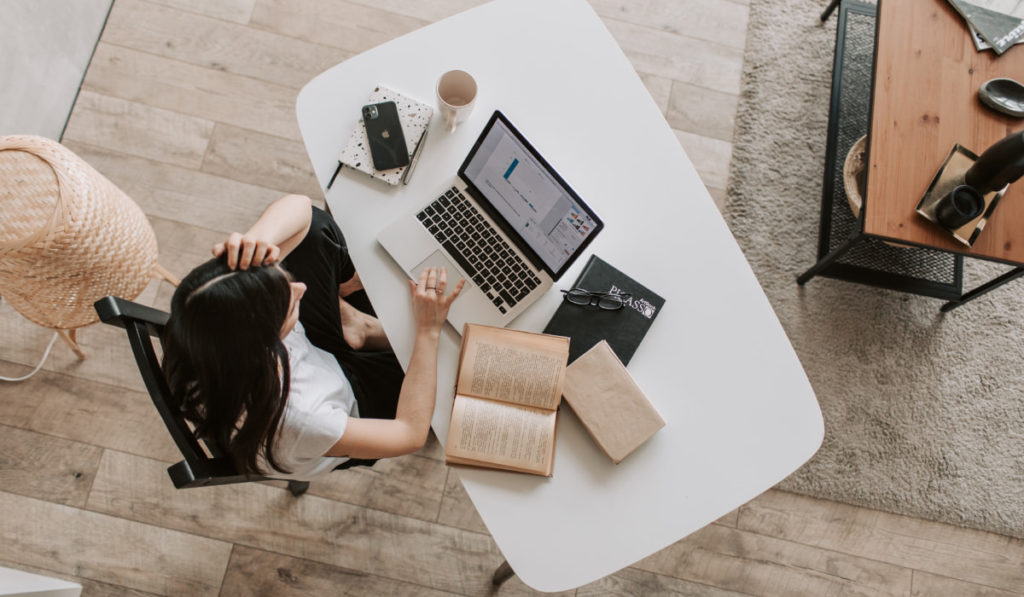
385, 134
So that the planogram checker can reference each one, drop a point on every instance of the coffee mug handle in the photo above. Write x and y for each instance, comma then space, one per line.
450, 121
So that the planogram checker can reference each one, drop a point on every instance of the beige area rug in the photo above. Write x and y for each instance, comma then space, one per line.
924, 412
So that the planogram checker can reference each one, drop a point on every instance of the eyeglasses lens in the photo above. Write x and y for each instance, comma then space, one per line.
578, 297
610, 302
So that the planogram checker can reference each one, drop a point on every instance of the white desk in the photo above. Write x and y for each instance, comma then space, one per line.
740, 413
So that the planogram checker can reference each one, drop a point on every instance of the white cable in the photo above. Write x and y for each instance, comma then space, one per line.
38, 367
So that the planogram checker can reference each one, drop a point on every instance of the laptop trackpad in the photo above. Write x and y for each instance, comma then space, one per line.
438, 259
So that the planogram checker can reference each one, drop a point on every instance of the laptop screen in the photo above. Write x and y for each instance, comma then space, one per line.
532, 198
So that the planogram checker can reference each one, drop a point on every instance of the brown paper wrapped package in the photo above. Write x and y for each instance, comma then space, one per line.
611, 406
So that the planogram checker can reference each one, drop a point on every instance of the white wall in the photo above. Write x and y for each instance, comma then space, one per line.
45, 48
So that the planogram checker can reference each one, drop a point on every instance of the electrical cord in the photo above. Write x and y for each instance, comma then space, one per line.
38, 367
46, 354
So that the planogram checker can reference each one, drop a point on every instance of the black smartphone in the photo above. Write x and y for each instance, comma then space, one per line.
384, 131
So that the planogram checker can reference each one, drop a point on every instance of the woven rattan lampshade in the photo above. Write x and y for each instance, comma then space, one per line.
68, 236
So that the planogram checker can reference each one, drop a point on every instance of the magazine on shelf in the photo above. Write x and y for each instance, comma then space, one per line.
999, 23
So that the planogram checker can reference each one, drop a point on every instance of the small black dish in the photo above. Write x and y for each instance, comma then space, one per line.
1003, 95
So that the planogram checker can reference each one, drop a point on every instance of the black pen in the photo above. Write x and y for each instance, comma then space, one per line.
415, 158
335, 175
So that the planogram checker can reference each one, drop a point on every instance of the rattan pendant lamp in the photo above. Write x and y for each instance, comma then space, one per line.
68, 237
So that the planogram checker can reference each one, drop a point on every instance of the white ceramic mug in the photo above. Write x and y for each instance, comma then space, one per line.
456, 93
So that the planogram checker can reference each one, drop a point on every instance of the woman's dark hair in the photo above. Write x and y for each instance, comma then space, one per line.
224, 359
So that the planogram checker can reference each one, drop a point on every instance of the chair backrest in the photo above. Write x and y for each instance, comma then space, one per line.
200, 467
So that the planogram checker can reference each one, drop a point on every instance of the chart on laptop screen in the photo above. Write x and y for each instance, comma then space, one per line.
534, 202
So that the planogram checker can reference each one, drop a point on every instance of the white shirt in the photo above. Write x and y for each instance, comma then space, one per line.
320, 401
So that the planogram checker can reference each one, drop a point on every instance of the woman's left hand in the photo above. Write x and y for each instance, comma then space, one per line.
245, 250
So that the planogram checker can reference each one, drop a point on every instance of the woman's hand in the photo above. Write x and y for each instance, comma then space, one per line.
429, 302
279, 229
245, 249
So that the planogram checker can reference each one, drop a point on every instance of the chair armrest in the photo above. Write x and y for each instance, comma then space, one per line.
117, 312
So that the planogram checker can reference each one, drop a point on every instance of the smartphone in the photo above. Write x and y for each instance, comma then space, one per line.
386, 139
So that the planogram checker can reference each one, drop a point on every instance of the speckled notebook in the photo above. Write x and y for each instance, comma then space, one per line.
415, 117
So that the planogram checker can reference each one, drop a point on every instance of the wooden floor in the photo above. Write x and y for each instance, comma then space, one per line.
189, 107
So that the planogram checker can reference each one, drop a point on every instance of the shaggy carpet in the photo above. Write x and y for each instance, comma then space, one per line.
924, 412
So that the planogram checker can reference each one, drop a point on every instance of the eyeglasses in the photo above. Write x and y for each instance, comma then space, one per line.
586, 298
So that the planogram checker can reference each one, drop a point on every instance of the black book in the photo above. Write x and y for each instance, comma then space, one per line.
623, 329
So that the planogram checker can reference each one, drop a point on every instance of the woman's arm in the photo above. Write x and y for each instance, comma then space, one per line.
280, 229
383, 438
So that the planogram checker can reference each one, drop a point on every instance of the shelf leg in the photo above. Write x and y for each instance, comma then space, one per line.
827, 260
1009, 276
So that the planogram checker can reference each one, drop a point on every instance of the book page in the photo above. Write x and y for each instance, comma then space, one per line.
513, 366
513, 436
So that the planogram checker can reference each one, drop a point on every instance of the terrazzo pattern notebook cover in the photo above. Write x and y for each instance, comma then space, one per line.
415, 117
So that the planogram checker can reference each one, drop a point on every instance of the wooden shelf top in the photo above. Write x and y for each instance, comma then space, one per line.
927, 75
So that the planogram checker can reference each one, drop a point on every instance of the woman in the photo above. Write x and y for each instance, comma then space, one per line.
297, 392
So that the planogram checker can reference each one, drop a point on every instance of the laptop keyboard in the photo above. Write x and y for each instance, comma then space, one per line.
479, 249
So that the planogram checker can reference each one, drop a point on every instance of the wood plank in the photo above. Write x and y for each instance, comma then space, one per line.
433, 448
747, 562
265, 517
236, 11
630, 582
457, 510
180, 194
253, 572
218, 45
109, 549
699, 63
719, 196
927, 585
45, 467
108, 356
410, 486
719, 22
702, 111
86, 412
138, 129
194, 90
265, 160
89, 587
964, 554
660, 89
709, 156
731, 519
435, 10
346, 25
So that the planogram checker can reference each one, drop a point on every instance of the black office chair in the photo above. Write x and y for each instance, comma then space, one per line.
200, 468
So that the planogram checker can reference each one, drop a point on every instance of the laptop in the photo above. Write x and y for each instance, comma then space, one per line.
507, 223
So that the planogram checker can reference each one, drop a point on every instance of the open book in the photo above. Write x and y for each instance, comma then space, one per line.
507, 392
